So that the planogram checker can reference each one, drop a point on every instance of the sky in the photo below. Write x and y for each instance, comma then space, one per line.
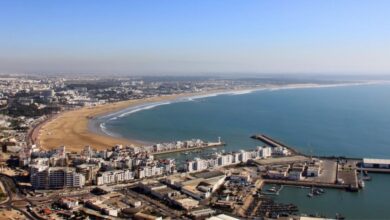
146, 37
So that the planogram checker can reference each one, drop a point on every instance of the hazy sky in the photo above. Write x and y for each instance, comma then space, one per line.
184, 36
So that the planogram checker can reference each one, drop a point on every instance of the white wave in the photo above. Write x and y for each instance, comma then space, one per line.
308, 86
192, 98
114, 118
141, 108
134, 109
104, 129
243, 92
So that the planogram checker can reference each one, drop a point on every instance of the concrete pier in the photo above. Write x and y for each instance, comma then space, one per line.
274, 143
307, 183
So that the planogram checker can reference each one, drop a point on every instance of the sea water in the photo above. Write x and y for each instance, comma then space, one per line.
352, 121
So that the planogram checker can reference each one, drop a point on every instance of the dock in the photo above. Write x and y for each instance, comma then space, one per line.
337, 172
249, 199
307, 184
373, 170
255, 205
274, 143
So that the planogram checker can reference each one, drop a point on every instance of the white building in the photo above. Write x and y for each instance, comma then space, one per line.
280, 151
200, 164
376, 163
44, 177
265, 152
244, 156
116, 176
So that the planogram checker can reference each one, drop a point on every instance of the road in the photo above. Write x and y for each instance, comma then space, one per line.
15, 196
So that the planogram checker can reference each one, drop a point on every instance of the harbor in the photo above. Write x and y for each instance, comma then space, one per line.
294, 176
330, 173
346, 201
309, 138
285, 170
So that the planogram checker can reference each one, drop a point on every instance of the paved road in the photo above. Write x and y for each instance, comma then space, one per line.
14, 195
329, 172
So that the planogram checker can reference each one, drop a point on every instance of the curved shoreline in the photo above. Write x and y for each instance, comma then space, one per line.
73, 128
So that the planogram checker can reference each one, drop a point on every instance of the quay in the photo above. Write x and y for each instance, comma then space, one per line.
249, 199
334, 172
274, 143
307, 184
374, 170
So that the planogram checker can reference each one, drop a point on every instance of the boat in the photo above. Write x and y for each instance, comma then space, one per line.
312, 193
366, 178
272, 189
361, 179
317, 191
361, 183
339, 217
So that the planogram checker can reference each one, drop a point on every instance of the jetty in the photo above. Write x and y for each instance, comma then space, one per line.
308, 184
274, 143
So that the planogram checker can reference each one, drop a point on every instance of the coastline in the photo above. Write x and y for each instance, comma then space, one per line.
73, 128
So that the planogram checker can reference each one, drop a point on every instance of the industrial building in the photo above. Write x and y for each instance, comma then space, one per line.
376, 163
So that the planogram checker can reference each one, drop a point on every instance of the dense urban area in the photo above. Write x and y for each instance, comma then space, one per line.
132, 182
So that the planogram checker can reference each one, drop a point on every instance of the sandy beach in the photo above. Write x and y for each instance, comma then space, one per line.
71, 128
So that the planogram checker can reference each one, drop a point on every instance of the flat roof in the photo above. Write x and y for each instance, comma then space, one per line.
202, 211
376, 161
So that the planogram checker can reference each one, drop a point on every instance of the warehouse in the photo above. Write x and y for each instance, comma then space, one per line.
376, 163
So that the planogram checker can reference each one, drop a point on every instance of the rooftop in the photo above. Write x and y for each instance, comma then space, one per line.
376, 161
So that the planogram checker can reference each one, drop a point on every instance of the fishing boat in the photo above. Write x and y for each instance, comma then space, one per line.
272, 189
361, 183
311, 193
317, 191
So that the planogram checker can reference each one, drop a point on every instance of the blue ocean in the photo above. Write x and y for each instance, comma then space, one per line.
352, 121
349, 121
